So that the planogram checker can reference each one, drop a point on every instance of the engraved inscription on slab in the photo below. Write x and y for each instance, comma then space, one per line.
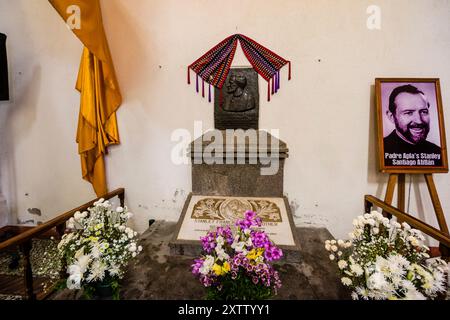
233, 209
205, 213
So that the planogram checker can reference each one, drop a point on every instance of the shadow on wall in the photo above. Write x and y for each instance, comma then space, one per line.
373, 174
21, 109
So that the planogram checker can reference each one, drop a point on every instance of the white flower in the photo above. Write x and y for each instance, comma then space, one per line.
74, 281
119, 209
355, 296
331, 257
79, 253
339, 253
377, 215
114, 270
83, 262
376, 281
140, 248
342, 264
406, 226
334, 248
221, 254
77, 215
333, 241
413, 294
375, 230
95, 251
327, 247
71, 223
346, 281
98, 202
356, 269
207, 265
74, 269
238, 246
220, 241
132, 248
362, 292
340, 243
97, 271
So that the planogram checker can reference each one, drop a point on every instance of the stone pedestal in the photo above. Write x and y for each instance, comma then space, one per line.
242, 158
237, 174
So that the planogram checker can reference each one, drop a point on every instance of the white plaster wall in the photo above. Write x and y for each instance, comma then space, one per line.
325, 113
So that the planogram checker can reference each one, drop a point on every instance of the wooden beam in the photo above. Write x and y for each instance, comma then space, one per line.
36, 231
437, 234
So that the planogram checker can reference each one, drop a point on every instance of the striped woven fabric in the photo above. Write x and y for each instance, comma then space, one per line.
213, 67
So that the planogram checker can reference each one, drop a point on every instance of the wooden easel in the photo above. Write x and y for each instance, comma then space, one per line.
399, 178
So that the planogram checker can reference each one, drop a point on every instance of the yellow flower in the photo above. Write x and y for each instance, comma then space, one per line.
251, 255
221, 270
226, 267
255, 253
217, 269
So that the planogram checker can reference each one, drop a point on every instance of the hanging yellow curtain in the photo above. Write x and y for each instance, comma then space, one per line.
99, 90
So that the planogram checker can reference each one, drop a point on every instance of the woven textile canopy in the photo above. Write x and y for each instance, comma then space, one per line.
213, 67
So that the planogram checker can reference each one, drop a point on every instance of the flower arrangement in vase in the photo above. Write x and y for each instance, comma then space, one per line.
387, 260
98, 249
236, 262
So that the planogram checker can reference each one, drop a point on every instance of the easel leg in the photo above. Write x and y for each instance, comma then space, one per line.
401, 194
390, 191
436, 203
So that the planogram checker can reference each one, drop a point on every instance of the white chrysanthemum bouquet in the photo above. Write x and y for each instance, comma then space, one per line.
387, 260
99, 247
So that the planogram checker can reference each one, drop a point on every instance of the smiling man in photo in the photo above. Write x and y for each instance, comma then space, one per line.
409, 112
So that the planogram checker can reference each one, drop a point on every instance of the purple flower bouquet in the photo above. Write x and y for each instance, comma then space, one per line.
236, 262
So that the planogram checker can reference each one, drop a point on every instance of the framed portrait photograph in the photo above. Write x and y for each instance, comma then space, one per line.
410, 126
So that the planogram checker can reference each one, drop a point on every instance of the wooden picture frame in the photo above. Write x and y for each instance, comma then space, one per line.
410, 126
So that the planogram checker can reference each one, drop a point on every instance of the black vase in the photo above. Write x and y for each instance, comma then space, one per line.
103, 291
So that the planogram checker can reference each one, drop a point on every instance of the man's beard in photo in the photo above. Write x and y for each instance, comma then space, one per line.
414, 138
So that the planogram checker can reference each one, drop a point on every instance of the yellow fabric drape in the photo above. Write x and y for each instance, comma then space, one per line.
99, 90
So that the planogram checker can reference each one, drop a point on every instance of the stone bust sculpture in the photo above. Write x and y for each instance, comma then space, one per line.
241, 99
